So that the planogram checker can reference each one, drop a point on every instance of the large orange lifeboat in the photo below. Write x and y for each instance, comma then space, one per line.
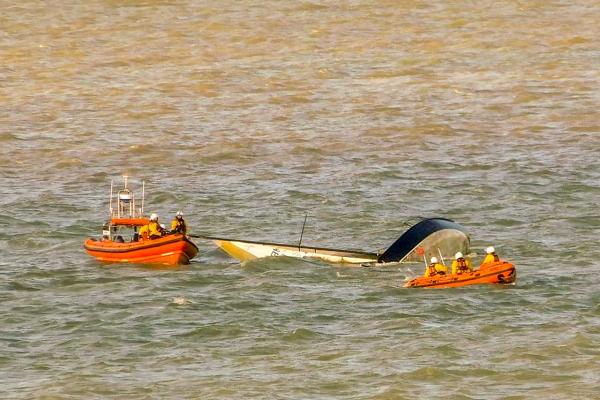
121, 241
500, 272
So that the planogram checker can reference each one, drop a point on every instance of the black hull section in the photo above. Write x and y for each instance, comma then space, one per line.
433, 235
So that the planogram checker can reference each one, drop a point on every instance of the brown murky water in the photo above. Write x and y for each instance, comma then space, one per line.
247, 114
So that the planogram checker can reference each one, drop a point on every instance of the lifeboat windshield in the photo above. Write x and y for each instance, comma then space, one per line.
123, 234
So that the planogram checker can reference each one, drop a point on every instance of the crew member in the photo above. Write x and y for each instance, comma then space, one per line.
491, 255
461, 264
178, 224
155, 231
435, 268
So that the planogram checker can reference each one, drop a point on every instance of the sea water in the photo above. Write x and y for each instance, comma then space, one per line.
248, 114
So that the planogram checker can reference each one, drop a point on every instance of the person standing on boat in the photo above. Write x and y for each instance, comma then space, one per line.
461, 264
491, 255
435, 268
155, 231
178, 224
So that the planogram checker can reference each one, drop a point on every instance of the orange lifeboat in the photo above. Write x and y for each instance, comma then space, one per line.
169, 249
121, 242
500, 272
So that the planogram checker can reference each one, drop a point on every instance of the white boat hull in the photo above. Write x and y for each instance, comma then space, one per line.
245, 250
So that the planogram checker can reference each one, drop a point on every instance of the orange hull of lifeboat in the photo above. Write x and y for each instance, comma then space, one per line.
497, 272
170, 250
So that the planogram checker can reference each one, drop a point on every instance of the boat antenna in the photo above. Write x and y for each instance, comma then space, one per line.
302, 233
441, 256
143, 187
110, 209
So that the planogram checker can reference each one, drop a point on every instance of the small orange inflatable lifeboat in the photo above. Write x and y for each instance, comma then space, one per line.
121, 242
495, 272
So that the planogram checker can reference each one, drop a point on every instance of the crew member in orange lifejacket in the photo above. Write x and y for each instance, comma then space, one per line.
491, 255
435, 268
461, 264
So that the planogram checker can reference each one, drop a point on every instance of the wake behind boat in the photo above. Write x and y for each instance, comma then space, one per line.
121, 241
433, 235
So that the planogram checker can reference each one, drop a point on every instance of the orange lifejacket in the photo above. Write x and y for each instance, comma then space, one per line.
432, 270
461, 265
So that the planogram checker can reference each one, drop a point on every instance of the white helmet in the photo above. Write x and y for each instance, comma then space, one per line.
434, 260
154, 217
458, 255
490, 249
179, 214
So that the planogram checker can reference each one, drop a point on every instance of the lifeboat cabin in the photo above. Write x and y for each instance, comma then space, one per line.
122, 243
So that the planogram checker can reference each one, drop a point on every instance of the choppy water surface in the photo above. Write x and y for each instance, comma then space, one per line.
247, 114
